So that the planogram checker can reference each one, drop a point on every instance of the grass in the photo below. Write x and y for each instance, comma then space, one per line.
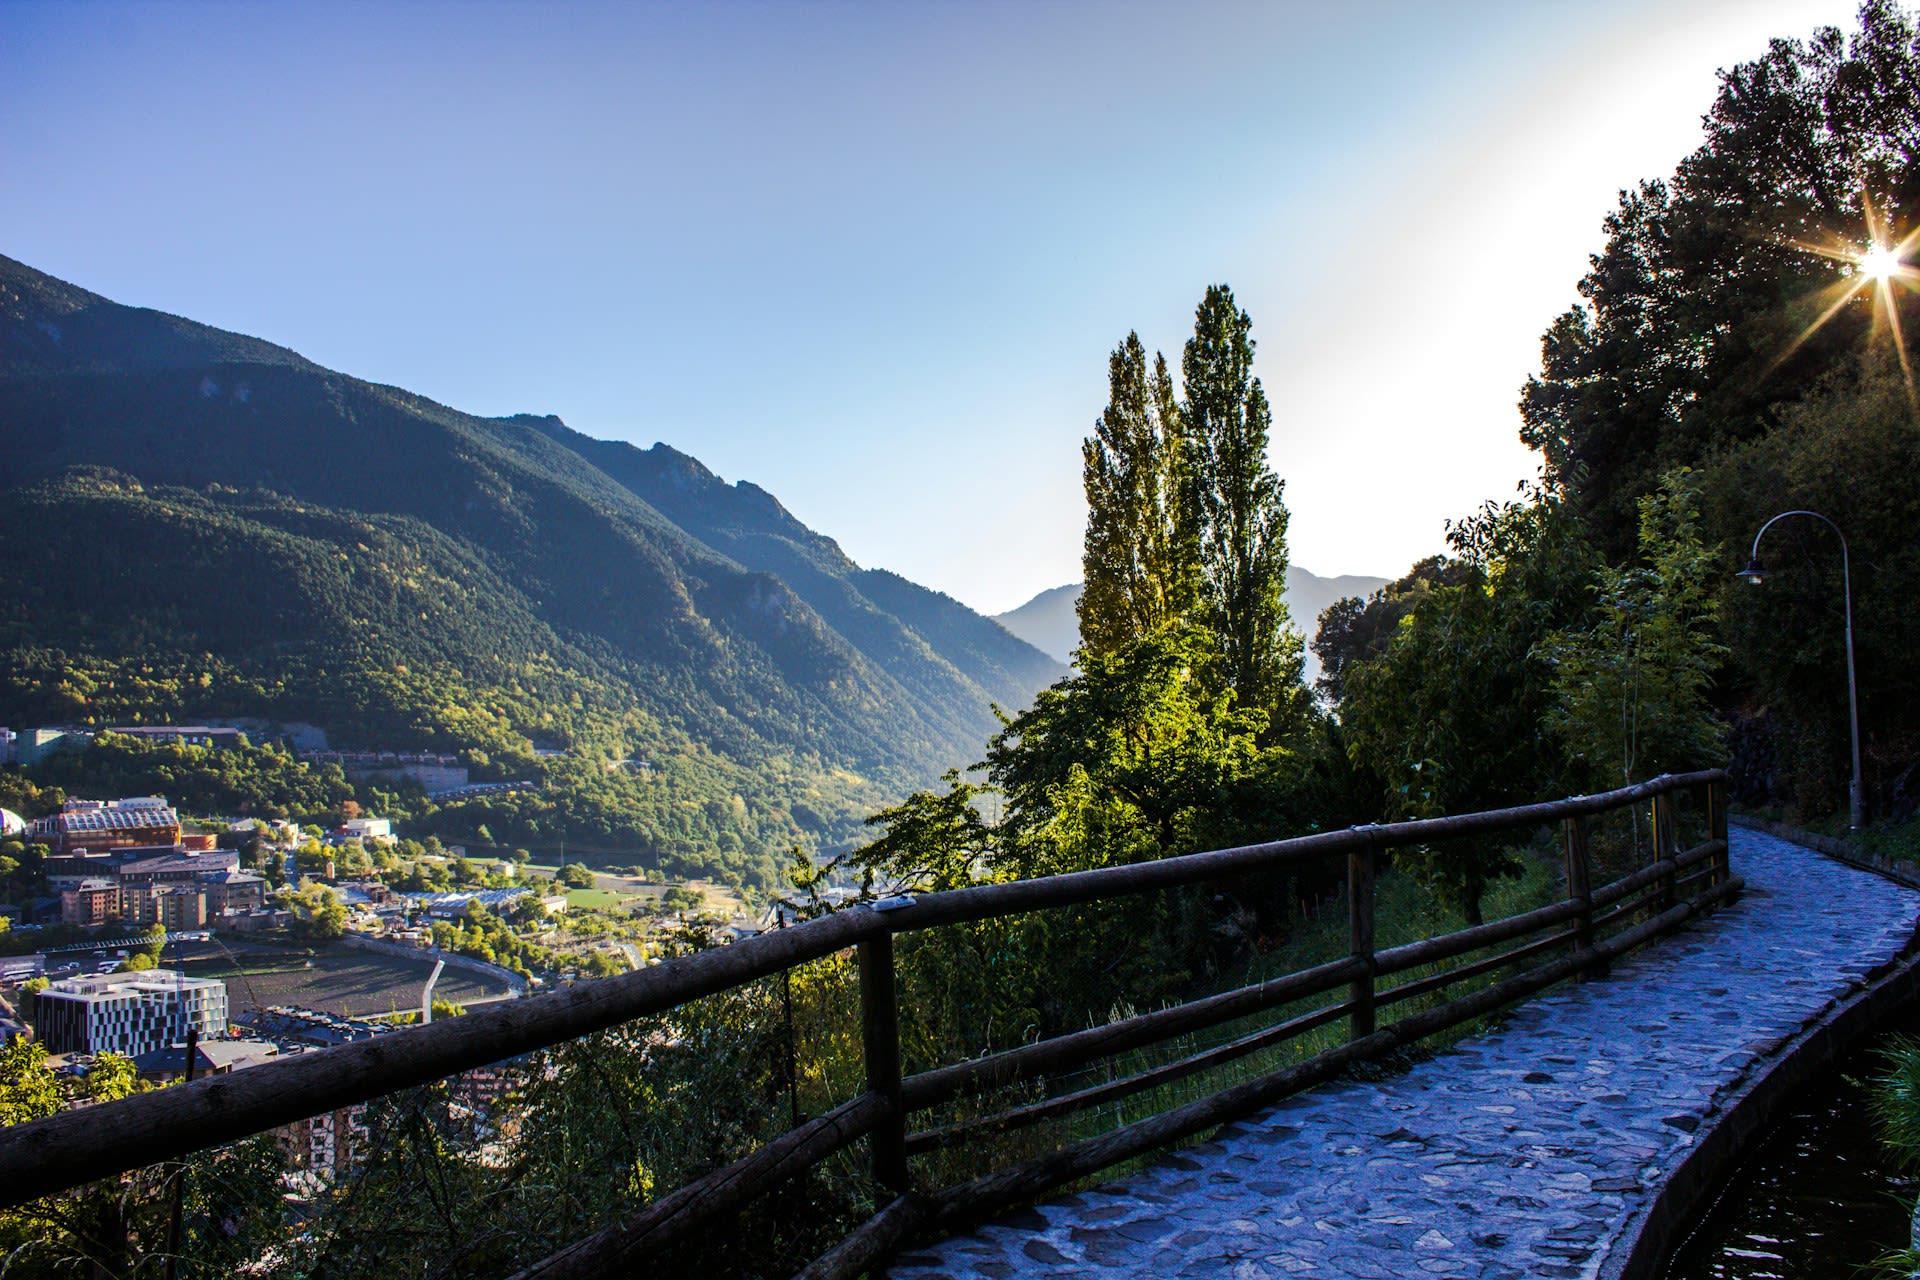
578, 898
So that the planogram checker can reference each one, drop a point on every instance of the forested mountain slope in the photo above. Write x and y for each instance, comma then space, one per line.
197, 523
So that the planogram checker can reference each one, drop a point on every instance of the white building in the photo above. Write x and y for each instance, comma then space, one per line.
129, 1013
368, 830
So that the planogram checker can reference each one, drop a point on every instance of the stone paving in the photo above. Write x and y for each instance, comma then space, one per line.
1520, 1153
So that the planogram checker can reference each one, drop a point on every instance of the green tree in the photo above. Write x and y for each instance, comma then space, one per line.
1450, 716
156, 943
1630, 690
1353, 630
932, 840
318, 913
1232, 501
1140, 561
113, 1076
575, 875
28, 1090
1123, 761
1704, 312
1848, 449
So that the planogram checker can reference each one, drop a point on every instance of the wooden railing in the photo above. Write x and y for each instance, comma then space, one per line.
1575, 937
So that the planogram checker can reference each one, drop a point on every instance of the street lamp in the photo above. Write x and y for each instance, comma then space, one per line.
1756, 574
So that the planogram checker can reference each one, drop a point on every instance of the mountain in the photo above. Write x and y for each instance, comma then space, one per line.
199, 524
1048, 621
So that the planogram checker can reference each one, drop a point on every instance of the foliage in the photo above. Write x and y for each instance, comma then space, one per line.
1727, 326
930, 841
1233, 501
1141, 559
318, 913
1449, 717
1696, 317
28, 1090
263, 781
1630, 690
1185, 523
1353, 630
1849, 450
1125, 760
575, 875
113, 1076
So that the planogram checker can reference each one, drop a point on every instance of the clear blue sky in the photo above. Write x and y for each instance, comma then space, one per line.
873, 256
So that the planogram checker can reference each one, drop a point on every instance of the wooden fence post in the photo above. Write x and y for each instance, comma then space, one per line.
1717, 829
1360, 937
1579, 889
1665, 842
880, 1042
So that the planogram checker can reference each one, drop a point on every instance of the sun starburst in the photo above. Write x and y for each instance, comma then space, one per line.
1878, 267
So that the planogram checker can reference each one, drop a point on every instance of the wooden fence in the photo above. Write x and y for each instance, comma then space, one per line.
1571, 938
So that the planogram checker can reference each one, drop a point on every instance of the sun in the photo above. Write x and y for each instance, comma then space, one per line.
1879, 263
1878, 269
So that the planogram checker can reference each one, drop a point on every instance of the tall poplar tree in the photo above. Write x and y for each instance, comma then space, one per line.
1140, 558
1233, 503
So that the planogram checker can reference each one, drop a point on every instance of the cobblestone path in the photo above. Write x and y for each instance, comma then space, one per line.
1520, 1153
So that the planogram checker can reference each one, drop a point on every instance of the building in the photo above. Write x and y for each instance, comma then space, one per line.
178, 866
192, 735
129, 1013
7, 749
454, 904
210, 1058
67, 870
90, 903
259, 920
367, 830
172, 906
330, 1143
35, 745
432, 771
91, 826
234, 892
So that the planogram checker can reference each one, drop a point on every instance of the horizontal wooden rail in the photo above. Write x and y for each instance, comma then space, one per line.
1655, 871
1111, 1090
1435, 982
1433, 950
1078, 1048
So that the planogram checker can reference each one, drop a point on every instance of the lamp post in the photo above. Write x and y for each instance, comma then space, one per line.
1757, 575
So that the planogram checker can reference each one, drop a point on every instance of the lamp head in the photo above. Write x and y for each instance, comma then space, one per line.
1755, 573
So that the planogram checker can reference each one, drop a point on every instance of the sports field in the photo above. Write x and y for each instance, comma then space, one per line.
335, 980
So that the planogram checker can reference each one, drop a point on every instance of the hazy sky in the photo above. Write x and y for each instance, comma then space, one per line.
872, 257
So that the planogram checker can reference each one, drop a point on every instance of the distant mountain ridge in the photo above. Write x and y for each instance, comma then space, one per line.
201, 523
1048, 621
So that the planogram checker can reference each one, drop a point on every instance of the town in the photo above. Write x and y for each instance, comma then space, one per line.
140, 947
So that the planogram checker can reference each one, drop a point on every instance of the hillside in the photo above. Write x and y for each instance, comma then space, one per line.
201, 524
1048, 622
